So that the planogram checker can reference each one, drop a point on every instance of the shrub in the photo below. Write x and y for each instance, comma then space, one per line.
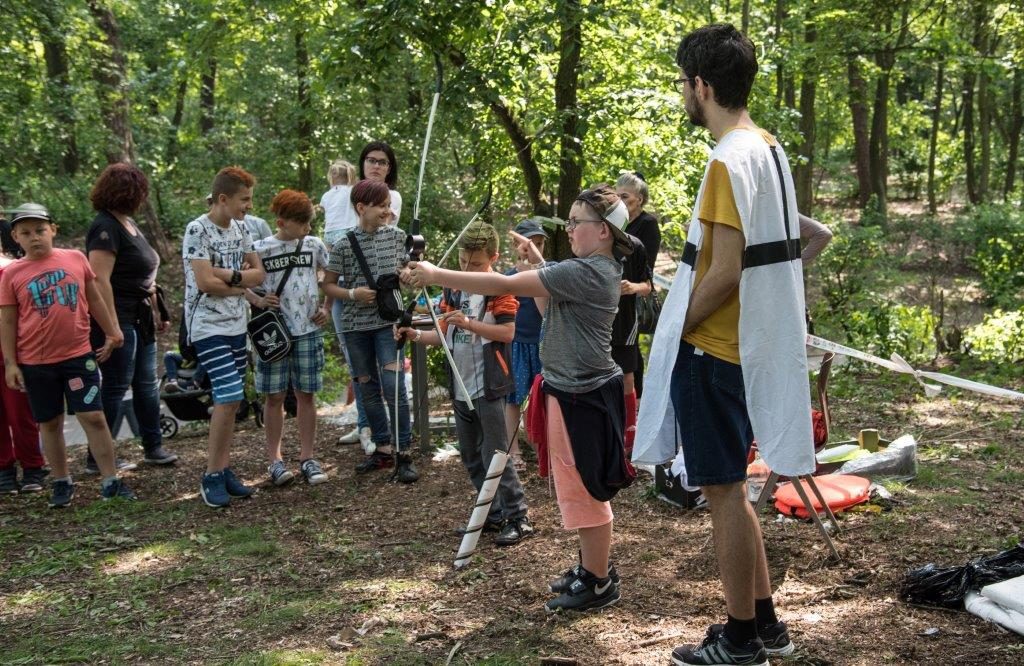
996, 234
999, 337
885, 328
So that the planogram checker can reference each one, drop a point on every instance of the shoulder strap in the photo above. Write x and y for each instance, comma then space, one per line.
370, 282
782, 185
291, 265
483, 309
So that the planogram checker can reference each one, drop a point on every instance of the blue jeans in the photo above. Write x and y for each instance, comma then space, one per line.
369, 351
133, 364
361, 420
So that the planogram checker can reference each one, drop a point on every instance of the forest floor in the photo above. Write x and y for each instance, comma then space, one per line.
292, 575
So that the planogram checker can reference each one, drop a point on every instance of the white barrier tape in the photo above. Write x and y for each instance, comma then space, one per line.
897, 364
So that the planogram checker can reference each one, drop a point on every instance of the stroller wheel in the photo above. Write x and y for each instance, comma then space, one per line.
168, 427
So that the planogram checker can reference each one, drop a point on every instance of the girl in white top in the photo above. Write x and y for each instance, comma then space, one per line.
376, 162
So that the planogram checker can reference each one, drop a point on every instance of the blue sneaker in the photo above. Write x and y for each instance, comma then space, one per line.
213, 492
234, 486
117, 488
62, 492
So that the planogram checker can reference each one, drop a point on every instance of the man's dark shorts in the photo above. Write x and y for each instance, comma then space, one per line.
76, 380
707, 394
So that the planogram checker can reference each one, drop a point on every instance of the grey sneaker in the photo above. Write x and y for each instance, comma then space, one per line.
61, 494
585, 593
279, 474
717, 649
32, 480
312, 472
117, 488
158, 455
774, 636
406, 472
122, 466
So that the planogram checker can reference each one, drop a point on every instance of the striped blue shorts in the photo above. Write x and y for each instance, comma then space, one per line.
223, 358
304, 367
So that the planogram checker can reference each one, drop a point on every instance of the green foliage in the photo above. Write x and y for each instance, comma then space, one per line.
886, 328
997, 235
846, 268
999, 338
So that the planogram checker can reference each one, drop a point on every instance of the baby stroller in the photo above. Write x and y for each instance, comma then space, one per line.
193, 398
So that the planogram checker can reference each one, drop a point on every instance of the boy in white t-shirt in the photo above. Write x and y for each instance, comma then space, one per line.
303, 313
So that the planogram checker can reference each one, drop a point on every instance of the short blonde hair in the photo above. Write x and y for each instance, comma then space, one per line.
341, 172
480, 236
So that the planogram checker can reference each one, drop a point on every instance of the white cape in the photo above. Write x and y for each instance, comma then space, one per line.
772, 329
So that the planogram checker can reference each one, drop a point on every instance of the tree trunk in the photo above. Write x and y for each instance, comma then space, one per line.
804, 175
111, 75
59, 88
984, 123
780, 64
745, 22
176, 118
858, 92
570, 158
207, 96
305, 124
1016, 126
878, 158
933, 141
971, 175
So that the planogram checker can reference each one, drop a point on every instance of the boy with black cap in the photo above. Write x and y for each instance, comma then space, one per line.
44, 332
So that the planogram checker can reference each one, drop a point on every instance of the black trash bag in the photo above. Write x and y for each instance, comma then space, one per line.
947, 586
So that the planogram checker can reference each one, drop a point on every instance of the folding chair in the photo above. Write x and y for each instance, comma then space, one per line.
773, 478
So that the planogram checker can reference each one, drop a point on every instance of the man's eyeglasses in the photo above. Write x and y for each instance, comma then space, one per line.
681, 82
572, 223
375, 162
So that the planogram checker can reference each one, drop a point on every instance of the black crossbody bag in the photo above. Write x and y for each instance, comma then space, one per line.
390, 305
271, 339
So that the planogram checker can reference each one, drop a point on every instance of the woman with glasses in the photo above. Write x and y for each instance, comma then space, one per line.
377, 163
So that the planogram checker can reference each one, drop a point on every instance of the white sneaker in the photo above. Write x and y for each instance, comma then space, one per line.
366, 439
351, 437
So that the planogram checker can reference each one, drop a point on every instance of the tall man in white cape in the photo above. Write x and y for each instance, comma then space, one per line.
729, 348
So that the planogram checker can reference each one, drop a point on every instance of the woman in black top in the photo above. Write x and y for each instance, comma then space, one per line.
632, 189
126, 265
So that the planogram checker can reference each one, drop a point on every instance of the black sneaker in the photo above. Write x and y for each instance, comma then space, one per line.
158, 455
61, 494
117, 488
489, 526
717, 649
514, 531
406, 472
122, 466
375, 461
9, 481
587, 592
774, 636
32, 480
562, 583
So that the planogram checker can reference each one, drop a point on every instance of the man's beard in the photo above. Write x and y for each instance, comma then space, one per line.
697, 116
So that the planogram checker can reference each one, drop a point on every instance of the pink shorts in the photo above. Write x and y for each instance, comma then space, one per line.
579, 509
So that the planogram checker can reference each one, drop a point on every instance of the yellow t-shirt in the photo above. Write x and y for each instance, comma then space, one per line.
719, 334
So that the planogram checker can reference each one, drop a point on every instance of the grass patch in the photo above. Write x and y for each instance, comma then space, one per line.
282, 658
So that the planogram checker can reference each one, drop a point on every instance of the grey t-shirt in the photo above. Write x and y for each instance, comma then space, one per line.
576, 351
208, 315
384, 250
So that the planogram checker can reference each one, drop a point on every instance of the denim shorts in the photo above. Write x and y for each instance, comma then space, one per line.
76, 380
711, 408
223, 358
303, 367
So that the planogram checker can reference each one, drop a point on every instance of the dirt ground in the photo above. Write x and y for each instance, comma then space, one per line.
293, 575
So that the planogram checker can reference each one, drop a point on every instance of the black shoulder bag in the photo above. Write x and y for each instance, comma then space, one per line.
268, 332
390, 306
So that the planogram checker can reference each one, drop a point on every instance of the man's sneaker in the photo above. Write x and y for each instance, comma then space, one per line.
774, 636
351, 437
213, 492
32, 479
61, 494
312, 472
117, 488
717, 649
279, 474
514, 531
406, 472
375, 461
489, 526
587, 592
122, 466
234, 485
9, 481
158, 455
562, 583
